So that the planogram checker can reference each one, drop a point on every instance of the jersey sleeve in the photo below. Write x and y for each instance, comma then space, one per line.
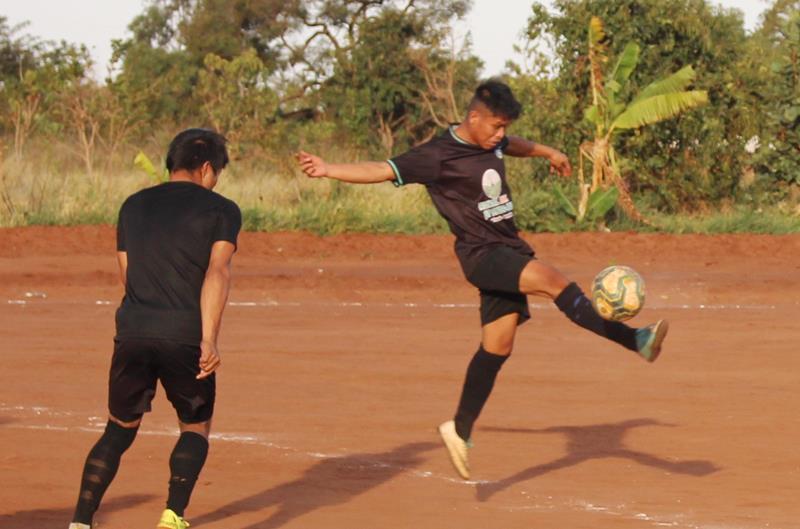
420, 165
229, 223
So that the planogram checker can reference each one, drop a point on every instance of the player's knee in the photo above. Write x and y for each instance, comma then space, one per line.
541, 279
500, 347
120, 437
126, 424
200, 428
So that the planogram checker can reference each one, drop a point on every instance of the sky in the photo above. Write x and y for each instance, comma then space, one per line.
96, 22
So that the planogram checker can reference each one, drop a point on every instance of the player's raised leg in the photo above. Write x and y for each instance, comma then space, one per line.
100, 468
541, 279
497, 342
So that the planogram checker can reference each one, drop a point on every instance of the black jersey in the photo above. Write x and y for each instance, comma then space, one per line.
467, 184
167, 232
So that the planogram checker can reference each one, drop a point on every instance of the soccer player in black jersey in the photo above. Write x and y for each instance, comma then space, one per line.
464, 174
175, 242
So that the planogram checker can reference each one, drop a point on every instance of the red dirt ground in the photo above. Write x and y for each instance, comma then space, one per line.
342, 354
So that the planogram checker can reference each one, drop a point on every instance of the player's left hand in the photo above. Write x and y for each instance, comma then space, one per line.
559, 164
209, 358
312, 165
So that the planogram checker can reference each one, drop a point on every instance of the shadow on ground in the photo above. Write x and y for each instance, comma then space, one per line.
61, 517
332, 481
598, 441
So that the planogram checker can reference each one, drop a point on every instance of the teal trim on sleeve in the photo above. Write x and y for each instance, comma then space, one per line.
398, 180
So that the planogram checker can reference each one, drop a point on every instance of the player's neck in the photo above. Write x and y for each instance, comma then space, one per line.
182, 175
464, 133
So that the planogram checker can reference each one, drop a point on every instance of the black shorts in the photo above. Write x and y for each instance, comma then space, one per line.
138, 363
497, 277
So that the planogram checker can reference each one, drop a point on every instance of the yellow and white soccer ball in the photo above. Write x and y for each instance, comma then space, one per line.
618, 293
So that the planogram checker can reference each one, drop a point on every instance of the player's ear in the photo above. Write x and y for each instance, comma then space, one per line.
208, 175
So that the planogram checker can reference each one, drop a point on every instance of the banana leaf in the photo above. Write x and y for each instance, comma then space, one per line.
658, 108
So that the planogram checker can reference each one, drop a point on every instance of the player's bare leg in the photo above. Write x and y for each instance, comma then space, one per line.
101, 466
541, 279
185, 464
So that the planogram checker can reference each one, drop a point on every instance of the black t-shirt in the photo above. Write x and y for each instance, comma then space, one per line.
467, 184
167, 232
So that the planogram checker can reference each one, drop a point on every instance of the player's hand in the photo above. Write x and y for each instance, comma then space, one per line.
559, 164
209, 358
313, 166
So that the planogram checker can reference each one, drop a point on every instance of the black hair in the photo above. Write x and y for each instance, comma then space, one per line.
498, 98
192, 148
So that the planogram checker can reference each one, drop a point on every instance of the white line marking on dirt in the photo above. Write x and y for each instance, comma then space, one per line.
366, 304
538, 503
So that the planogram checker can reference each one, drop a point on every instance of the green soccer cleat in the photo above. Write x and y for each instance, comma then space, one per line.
170, 520
650, 338
456, 447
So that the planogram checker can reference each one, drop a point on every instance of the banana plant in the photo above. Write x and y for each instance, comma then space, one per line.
660, 100
142, 162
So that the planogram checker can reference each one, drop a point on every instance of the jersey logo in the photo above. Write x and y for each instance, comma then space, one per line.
499, 153
492, 184
499, 206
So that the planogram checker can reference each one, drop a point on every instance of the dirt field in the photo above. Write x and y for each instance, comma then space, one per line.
342, 354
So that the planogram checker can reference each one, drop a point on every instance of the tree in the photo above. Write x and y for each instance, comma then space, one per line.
236, 98
33, 95
371, 65
658, 101
675, 164
779, 50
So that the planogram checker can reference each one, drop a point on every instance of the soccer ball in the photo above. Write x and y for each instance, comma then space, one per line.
618, 293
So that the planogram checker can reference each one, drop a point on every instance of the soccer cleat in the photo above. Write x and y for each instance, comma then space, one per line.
76, 525
170, 520
456, 447
650, 338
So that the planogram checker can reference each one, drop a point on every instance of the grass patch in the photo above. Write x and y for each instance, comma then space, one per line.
271, 202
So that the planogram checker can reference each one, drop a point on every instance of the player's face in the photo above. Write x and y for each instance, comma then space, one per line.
487, 128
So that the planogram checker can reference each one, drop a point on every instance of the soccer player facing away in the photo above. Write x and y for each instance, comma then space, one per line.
464, 173
175, 242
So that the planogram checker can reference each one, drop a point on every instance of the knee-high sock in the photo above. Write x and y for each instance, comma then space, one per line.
185, 463
100, 468
577, 307
478, 384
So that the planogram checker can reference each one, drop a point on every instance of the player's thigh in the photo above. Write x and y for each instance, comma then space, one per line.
132, 380
541, 279
192, 399
497, 337
501, 314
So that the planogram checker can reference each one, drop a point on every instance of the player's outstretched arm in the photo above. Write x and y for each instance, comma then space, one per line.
213, 297
520, 147
355, 173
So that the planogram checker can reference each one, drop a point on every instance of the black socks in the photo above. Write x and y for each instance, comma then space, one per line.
185, 463
100, 468
478, 384
577, 307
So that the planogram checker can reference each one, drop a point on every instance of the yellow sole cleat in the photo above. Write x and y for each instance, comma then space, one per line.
170, 520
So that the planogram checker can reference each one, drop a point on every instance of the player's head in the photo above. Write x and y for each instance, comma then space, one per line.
201, 152
493, 107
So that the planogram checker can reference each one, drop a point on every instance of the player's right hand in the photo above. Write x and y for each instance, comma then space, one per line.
313, 166
209, 358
